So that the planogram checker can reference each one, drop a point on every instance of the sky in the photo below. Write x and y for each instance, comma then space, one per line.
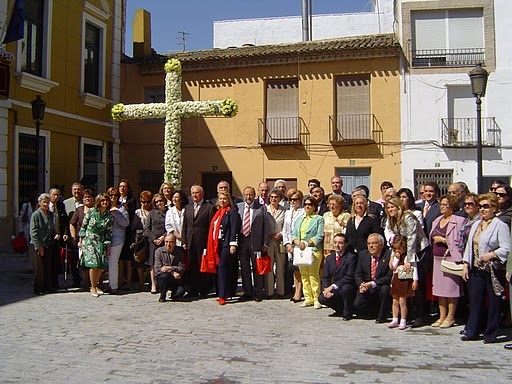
196, 17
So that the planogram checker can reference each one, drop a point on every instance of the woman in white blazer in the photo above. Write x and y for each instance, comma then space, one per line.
485, 258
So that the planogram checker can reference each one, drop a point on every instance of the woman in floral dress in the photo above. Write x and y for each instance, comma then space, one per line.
95, 239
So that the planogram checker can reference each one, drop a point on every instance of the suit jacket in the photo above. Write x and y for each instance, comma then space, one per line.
42, 231
357, 238
383, 274
275, 224
452, 235
432, 214
495, 238
375, 209
173, 259
314, 232
230, 227
69, 205
195, 229
61, 219
259, 225
341, 275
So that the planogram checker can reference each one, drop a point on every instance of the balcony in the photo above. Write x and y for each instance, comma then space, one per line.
282, 131
447, 57
350, 129
460, 132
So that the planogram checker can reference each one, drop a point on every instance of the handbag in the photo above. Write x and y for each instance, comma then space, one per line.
19, 244
451, 267
303, 258
402, 275
139, 249
262, 264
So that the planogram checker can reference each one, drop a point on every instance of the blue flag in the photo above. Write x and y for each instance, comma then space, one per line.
15, 29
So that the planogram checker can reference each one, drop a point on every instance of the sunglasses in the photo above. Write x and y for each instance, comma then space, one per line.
469, 204
158, 201
294, 199
484, 206
501, 194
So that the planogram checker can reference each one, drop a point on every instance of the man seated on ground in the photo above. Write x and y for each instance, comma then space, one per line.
373, 279
169, 269
338, 286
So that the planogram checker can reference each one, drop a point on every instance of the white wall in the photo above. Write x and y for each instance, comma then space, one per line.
235, 33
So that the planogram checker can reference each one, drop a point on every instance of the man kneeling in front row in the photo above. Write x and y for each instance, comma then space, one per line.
169, 269
338, 286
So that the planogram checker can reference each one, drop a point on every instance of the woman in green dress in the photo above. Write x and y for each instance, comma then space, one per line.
95, 239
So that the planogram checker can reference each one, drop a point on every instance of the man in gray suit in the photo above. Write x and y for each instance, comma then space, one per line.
75, 201
253, 238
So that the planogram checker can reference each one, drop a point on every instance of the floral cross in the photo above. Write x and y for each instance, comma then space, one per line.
173, 109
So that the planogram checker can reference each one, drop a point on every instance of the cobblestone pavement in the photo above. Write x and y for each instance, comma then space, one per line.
71, 337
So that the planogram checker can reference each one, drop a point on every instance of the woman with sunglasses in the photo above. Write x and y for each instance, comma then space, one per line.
309, 232
505, 204
154, 230
290, 219
141, 220
485, 257
121, 221
443, 238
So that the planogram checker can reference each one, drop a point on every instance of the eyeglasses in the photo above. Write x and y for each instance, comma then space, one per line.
145, 202
484, 206
501, 194
294, 199
469, 204
308, 204
158, 201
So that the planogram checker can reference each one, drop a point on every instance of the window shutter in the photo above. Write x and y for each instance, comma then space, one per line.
429, 30
282, 122
466, 28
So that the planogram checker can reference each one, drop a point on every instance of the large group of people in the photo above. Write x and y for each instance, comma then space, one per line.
392, 257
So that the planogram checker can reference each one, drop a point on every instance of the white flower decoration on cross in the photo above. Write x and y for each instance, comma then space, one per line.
173, 109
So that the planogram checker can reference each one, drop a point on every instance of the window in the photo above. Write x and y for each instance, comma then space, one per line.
92, 59
154, 95
443, 178
150, 180
352, 177
353, 120
31, 58
93, 170
451, 37
282, 123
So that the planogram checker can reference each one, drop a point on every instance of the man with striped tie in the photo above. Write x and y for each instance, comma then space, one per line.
253, 241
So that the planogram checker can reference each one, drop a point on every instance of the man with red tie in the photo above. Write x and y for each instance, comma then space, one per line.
373, 279
338, 286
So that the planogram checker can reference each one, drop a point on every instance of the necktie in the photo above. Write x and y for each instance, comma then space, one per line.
374, 267
196, 209
426, 208
338, 260
246, 228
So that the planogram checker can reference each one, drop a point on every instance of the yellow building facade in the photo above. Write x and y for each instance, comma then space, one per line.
70, 57
306, 110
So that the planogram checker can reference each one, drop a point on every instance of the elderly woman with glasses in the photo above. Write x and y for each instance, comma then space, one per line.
121, 221
309, 232
335, 221
485, 257
154, 229
275, 222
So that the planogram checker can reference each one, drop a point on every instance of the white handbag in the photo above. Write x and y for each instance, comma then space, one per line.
303, 258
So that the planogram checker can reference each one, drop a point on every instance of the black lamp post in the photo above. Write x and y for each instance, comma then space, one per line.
38, 106
478, 77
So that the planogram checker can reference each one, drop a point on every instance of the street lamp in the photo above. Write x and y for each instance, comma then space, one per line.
478, 77
38, 106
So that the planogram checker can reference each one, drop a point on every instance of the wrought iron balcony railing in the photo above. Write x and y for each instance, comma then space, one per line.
448, 57
460, 132
348, 129
282, 131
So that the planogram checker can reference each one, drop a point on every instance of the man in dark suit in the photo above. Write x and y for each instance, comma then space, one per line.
457, 191
223, 186
196, 223
430, 205
253, 238
373, 279
61, 225
318, 194
338, 285
337, 186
